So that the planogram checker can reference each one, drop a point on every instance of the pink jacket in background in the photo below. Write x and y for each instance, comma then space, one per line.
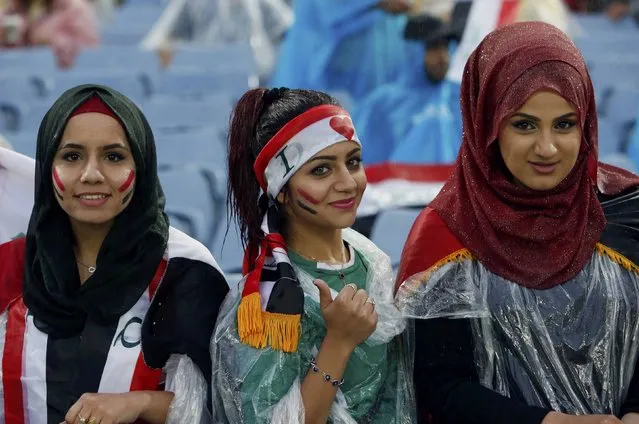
69, 26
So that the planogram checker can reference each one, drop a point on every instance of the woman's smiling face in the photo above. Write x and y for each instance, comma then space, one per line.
93, 170
540, 142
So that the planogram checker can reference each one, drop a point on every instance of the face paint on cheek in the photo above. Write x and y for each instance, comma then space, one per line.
306, 208
58, 187
127, 197
128, 183
308, 197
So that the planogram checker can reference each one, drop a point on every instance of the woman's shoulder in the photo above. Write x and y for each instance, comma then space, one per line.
182, 247
184, 309
429, 241
191, 275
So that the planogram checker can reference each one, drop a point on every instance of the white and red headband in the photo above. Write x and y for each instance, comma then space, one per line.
298, 141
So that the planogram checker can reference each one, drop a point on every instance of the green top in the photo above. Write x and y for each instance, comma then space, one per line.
370, 379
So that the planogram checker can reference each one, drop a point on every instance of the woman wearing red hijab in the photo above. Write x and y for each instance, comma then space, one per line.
522, 274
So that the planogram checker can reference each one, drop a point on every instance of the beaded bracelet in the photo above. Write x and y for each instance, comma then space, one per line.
327, 377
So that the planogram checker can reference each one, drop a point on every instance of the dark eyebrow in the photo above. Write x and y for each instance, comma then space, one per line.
114, 146
534, 118
333, 158
526, 116
567, 115
72, 146
81, 147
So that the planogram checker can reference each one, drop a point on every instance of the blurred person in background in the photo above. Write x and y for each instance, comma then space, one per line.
553, 12
64, 25
104, 10
262, 23
392, 111
352, 46
615, 9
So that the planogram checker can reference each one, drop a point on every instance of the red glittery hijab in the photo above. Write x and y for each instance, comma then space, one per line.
537, 239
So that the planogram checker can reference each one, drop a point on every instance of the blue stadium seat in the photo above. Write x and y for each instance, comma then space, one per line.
391, 229
622, 111
198, 84
594, 24
108, 57
620, 160
597, 48
172, 115
24, 142
129, 83
202, 147
10, 116
16, 86
609, 138
190, 198
221, 57
31, 120
39, 59
617, 74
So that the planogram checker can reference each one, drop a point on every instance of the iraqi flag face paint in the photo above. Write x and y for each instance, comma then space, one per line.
310, 199
127, 186
58, 186
307, 198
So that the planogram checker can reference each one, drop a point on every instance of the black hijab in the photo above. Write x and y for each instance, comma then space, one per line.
130, 253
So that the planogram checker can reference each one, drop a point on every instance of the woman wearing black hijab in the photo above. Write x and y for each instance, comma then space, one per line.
107, 312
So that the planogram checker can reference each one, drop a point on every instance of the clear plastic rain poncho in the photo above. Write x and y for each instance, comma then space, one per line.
273, 395
186, 381
262, 23
571, 348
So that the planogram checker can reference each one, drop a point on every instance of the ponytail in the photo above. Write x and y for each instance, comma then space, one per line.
243, 188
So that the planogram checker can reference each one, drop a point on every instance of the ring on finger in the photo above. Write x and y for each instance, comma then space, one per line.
371, 301
353, 286
93, 420
82, 419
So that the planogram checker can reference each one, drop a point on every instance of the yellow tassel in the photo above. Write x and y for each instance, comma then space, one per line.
457, 256
282, 331
250, 324
617, 257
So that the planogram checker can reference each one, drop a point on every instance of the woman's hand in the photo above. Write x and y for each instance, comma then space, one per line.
559, 418
107, 408
350, 318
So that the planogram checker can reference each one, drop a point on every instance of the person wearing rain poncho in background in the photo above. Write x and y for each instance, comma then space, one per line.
422, 99
262, 23
521, 275
312, 335
98, 302
352, 47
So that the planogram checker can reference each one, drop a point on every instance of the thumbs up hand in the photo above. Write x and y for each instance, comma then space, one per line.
350, 317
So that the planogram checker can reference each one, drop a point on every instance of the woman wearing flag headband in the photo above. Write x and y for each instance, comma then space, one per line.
312, 333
